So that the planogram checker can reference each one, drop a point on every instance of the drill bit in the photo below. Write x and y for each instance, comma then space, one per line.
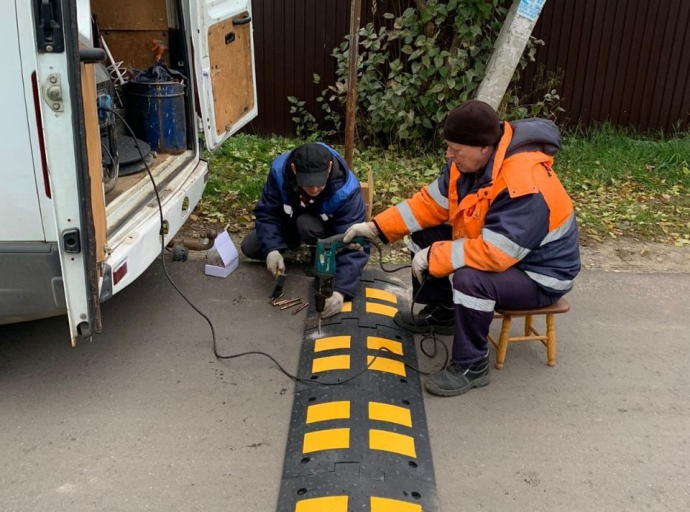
290, 304
319, 324
300, 308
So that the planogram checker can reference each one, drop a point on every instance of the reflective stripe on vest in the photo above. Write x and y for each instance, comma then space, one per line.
551, 282
504, 244
436, 195
560, 231
408, 217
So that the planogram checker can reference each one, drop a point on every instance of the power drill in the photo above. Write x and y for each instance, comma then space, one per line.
324, 268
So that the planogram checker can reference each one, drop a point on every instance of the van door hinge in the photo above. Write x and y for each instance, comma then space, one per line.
52, 91
50, 36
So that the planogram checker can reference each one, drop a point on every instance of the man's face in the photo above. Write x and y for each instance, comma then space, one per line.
468, 159
313, 191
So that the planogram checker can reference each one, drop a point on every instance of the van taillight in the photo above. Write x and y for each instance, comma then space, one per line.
120, 273
41, 141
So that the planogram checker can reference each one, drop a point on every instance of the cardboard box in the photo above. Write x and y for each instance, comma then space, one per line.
222, 257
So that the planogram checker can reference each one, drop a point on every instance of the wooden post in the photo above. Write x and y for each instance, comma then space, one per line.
351, 109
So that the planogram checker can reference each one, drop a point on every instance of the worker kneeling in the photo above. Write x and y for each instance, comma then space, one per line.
310, 194
495, 230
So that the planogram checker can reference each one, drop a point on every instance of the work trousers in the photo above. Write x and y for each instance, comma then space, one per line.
305, 228
474, 294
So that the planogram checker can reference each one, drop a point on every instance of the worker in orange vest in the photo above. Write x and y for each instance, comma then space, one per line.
495, 230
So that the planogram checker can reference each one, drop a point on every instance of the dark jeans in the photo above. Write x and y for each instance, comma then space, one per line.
475, 294
306, 228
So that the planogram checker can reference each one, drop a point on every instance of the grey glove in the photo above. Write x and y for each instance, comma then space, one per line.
334, 305
275, 262
420, 264
365, 229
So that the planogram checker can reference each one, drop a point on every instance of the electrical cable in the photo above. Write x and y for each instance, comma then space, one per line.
219, 356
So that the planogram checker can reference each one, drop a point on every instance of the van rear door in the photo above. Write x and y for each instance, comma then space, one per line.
223, 51
59, 92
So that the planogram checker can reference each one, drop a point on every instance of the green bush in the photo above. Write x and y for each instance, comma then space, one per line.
413, 72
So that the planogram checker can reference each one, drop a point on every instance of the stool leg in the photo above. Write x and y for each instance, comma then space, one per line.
503, 342
551, 339
528, 325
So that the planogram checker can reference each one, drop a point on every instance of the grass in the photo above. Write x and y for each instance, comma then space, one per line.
622, 186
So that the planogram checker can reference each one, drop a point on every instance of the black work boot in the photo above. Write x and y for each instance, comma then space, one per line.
438, 317
457, 379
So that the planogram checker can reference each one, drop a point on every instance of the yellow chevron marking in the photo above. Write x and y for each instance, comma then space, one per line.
331, 439
375, 293
327, 364
388, 505
347, 307
328, 411
326, 504
392, 442
383, 364
381, 309
390, 413
332, 343
375, 343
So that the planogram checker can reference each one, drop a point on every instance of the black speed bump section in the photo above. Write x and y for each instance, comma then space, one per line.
362, 446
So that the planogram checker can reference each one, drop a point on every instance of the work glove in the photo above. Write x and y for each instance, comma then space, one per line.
364, 229
420, 264
334, 304
275, 262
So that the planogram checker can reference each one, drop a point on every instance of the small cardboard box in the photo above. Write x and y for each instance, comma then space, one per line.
222, 257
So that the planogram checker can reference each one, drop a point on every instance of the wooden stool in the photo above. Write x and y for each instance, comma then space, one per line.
560, 306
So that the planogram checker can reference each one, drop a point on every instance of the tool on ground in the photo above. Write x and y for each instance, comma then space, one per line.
324, 268
300, 308
291, 304
285, 301
278, 288
272, 301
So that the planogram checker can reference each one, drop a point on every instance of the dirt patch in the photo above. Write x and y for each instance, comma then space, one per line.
632, 256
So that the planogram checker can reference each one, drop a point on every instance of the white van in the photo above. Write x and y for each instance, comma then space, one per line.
65, 244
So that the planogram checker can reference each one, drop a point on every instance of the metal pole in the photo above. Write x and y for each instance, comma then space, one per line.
351, 109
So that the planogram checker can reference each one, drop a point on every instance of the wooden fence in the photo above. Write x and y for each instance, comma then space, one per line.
623, 61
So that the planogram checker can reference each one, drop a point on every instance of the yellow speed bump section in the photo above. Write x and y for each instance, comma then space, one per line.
383, 364
390, 413
332, 343
330, 363
381, 309
375, 293
388, 505
347, 307
375, 343
325, 504
393, 442
328, 411
331, 439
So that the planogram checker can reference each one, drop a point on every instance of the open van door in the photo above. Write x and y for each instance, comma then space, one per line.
58, 93
223, 52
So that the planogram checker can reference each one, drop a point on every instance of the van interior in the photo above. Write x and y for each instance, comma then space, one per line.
146, 80
137, 36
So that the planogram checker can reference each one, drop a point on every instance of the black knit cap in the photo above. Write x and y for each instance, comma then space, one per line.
473, 123
311, 162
